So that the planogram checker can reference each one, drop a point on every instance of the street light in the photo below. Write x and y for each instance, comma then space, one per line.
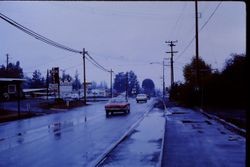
163, 75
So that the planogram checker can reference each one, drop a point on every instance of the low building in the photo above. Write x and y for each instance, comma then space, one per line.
98, 92
36, 92
10, 88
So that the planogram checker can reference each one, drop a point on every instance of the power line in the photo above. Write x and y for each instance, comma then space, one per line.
178, 19
202, 27
97, 65
185, 48
210, 16
48, 41
94, 62
36, 35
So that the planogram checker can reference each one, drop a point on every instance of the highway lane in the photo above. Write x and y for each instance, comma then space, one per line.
70, 138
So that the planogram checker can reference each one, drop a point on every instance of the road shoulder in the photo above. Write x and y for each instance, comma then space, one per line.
143, 146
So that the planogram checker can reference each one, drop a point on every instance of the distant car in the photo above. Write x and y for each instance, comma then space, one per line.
141, 98
74, 96
117, 105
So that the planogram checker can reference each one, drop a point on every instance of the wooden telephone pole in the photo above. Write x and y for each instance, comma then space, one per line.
171, 44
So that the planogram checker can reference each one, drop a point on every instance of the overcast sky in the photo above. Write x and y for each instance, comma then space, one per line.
121, 35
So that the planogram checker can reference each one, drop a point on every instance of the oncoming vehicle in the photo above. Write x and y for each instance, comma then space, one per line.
117, 105
141, 97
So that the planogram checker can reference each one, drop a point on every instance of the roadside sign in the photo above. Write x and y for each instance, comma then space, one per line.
53, 87
65, 88
55, 75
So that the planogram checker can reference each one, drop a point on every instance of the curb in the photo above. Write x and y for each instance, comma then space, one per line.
163, 136
233, 127
100, 159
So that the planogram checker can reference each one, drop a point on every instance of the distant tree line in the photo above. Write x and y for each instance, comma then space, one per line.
124, 81
227, 88
11, 71
39, 81
127, 81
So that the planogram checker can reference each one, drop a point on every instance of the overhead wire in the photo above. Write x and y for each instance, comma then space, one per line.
216, 8
94, 62
202, 27
188, 45
178, 19
36, 35
48, 41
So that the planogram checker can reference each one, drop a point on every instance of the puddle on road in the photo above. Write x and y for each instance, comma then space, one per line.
179, 112
195, 121
197, 126
200, 131
233, 138
190, 121
208, 122
221, 131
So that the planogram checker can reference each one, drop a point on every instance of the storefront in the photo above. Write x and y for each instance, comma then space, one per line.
10, 89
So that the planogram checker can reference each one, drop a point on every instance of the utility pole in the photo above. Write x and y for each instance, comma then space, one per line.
198, 87
127, 86
163, 77
111, 85
18, 99
7, 60
84, 75
171, 44
197, 46
47, 85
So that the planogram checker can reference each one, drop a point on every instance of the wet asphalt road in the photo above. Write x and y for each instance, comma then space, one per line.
65, 139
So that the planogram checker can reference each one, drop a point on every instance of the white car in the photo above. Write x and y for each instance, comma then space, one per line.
141, 98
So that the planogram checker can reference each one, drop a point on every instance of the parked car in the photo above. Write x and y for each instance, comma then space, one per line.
141, 98
117, 105
75, 96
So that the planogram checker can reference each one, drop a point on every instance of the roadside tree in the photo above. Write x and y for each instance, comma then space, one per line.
148, 87
12, 71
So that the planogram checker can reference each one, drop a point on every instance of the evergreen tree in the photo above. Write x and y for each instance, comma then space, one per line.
76, 83
129, 80
120, 82
13, 71
66, 77
37, 81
